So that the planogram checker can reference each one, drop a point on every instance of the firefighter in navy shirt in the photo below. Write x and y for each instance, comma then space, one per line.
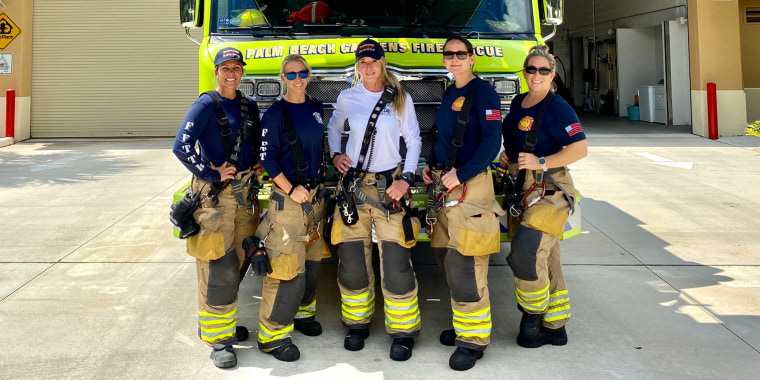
467, 230
535, 255
292, 236
223, 220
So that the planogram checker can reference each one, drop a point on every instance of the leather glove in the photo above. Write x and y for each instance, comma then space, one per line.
254, 250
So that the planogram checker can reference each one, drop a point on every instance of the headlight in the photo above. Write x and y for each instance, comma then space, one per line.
505, 87
268, 89
246, 88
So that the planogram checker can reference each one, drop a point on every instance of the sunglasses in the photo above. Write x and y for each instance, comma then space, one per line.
461, 55
541, 70
303, 74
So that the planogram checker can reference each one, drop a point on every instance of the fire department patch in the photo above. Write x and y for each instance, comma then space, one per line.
457, 105
525, 124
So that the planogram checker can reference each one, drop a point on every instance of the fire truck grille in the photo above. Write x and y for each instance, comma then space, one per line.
422, 91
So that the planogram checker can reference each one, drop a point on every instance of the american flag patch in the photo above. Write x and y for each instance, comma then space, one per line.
574, 129
493, 115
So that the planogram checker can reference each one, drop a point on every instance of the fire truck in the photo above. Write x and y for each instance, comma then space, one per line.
412, 32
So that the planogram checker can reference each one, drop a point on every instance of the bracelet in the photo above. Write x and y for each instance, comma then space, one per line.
291, 190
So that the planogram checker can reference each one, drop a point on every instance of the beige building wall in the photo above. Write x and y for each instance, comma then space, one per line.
714, 46
20, 12
750, 34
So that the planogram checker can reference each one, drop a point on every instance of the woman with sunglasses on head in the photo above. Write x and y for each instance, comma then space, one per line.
557, 141
223, 172
373, 180
291, 229
466, 231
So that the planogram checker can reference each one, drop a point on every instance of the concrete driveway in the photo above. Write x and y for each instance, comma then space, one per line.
664, 280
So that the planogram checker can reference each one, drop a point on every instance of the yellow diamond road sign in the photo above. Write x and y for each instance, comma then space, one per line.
8, 30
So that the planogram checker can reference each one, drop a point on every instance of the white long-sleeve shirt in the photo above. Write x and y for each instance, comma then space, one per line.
356, 105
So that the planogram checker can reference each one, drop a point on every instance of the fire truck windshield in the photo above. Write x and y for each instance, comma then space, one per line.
496, 19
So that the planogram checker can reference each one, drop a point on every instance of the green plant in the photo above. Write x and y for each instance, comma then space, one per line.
754, 128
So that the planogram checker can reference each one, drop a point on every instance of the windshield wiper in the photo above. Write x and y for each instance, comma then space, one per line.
279, 30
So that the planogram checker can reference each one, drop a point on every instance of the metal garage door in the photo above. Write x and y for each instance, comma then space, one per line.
105, 68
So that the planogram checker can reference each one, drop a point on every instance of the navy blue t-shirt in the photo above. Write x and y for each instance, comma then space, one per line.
559, 128
481, 138
201, 125
275, 153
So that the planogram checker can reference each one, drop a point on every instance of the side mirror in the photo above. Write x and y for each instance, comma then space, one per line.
551, 11
191, 13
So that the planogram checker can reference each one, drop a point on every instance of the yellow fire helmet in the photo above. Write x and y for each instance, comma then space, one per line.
249, 17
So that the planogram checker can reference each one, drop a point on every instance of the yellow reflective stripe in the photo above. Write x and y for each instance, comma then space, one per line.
558, 298
217, 337
537, 292
534, 301
475, 315
543, 293
482, 330
389, 317
266, 335
404, 326
401, 313
307, 311
202, 314
357, 314
562, 312
400, 305
363, 298
217, 322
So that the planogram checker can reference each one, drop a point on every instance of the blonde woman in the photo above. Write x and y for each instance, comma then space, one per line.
289, 290
375, 181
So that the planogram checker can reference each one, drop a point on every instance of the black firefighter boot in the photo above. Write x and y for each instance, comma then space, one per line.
533, 335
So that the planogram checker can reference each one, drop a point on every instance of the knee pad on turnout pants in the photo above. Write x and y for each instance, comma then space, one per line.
522, 258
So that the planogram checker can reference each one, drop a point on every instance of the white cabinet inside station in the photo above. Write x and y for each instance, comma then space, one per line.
653, 102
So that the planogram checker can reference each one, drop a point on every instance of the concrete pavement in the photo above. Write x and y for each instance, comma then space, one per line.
664, 281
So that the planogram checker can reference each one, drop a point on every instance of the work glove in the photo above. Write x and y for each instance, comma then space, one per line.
254, 250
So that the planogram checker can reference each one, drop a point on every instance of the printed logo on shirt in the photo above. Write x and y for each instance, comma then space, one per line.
189, 125
574, 129
317, 117
264, 132
457, 105
492, 115
525, 124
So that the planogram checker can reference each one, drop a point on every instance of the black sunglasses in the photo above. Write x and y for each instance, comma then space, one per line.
461, 55
541, 70
303, 74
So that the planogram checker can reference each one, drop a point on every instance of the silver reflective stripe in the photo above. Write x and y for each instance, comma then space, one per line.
216, 333
473, 318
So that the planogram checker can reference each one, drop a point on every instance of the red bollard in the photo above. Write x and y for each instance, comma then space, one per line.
712, 111
10, 112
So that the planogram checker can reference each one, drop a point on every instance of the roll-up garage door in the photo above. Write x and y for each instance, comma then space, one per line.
105, 68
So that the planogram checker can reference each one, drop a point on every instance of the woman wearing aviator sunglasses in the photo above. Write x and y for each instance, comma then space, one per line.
289, 291
549, 197
466, 233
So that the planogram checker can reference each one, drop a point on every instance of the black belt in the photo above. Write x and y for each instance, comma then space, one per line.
311, 183
385, 174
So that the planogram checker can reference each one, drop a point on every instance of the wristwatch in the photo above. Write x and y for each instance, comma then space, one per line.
408, 177
333, 154
542, 162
